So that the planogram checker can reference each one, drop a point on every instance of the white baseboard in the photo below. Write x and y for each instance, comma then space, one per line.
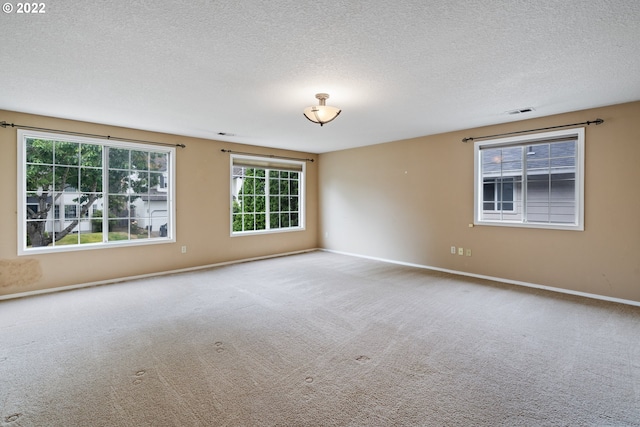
408, 264
143, 276
495, 279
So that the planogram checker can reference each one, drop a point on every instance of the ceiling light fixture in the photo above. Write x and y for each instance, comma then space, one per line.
321, 113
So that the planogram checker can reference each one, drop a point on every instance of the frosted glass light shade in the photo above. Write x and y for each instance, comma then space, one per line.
322, 113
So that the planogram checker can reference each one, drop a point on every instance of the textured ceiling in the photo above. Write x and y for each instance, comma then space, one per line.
397, 69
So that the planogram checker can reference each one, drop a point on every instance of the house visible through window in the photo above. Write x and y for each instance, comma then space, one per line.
87, 193
531, 181
266, 195
497, 194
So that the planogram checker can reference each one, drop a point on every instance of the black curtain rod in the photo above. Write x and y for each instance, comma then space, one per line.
272, 156
13, 125
596, 122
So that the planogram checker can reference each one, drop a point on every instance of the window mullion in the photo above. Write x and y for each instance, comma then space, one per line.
524, 183
549, 187
498, 190
267, 199
105, 194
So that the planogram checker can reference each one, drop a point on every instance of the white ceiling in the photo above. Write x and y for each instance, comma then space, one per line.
397, 68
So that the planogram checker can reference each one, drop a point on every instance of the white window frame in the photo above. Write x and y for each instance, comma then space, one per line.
524, 140
269, 163
23, 135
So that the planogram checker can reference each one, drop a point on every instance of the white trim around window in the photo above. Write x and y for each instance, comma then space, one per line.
79, 193
267, 195
545, 174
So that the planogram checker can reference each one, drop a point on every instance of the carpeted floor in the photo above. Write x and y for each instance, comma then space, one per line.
317, 339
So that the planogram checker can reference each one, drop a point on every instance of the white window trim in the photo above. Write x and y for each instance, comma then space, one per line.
526, 139
302, 202
22, 213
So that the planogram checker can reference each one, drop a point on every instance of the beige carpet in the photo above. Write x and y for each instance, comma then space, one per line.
317, 339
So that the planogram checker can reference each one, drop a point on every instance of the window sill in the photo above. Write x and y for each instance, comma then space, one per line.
92, 246
259, 232
517, 224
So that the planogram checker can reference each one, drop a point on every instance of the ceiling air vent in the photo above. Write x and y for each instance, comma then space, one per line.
521, 111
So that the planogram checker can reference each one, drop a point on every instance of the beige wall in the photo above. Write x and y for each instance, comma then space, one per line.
411, 200
406, 201
202, 197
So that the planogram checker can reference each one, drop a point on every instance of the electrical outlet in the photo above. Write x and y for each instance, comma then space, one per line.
184, 249
453, 250
468, 252
460, 251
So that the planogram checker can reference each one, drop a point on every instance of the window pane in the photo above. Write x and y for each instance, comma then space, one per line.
261, 204
491, 162
274, 187
139, 182
274, 221
563, 211
39, 151
511, 161
248, 221
274, 204
158, 225
538, 151
563, 149
118, 158
39, 177
118, 206
259, 186
71, 212
90, 231
90, 180
118, 181
284, 220
139, 160
248, 204
488, 194
118, 230
91, 155
139, 228
158, 161
66, 178
66, 153
284, 187
507, 195
158, 181
284, 203
538, 193
237, 222
260, 221
38, 232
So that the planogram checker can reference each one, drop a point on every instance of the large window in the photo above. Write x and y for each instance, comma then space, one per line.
531, 181
267, 195
79, 193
